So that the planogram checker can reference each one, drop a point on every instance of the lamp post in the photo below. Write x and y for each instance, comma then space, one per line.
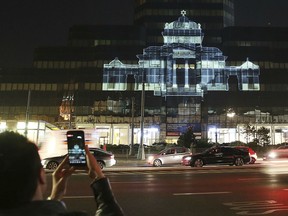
71, 110
131, 150
141, 152
216, 135
27, 113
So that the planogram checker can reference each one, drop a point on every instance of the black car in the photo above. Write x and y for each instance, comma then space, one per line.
220, 155
104, 159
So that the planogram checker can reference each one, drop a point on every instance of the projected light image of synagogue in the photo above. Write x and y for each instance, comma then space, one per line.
181, 67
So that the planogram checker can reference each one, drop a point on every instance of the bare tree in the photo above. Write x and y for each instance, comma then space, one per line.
249, 131
263, 136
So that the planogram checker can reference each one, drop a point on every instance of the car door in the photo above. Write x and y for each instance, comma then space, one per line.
227, 155
180, 153
168, 156
213, 156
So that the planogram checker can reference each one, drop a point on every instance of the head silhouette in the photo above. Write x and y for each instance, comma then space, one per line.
20, 167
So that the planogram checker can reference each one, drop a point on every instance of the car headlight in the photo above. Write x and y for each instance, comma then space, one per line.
43, 162
150, 158
187, 158
272, 155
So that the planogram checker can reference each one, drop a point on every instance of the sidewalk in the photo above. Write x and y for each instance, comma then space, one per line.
130, 161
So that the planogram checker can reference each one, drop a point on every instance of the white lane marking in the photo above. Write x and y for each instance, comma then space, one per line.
201, 193
256, 207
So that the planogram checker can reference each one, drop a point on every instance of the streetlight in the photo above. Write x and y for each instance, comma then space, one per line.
131, 151
27, 113
216, 135
141, 152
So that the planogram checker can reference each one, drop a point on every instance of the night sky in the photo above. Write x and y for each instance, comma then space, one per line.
27, 24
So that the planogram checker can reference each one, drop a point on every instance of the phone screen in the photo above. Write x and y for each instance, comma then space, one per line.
76, 148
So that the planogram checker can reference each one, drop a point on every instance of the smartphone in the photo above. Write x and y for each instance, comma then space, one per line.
76, 148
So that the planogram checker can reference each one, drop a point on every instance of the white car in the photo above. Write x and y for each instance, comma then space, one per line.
172, 155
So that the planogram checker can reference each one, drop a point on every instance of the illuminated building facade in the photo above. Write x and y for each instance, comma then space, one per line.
182, 66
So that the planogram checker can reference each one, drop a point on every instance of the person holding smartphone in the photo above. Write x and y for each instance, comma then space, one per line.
22, 190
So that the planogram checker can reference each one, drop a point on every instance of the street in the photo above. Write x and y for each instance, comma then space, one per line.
259, 189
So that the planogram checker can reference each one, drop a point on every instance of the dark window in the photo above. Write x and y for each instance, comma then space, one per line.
250, 83
170, 151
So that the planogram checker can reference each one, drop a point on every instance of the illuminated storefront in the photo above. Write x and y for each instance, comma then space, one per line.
120, 134
35, 129
278, 133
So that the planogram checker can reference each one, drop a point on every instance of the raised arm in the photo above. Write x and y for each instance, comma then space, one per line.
105, 200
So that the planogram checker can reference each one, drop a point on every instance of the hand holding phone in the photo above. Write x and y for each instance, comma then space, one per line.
76, 148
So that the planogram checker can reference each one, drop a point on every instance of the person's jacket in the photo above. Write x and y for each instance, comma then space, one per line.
106, 204
105, 200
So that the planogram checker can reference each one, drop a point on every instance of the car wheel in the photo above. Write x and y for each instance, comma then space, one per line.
198, 163
253, 160
52, 165
239, 162
101, 164
157, 163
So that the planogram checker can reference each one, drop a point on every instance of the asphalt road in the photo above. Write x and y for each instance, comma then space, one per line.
259, 189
